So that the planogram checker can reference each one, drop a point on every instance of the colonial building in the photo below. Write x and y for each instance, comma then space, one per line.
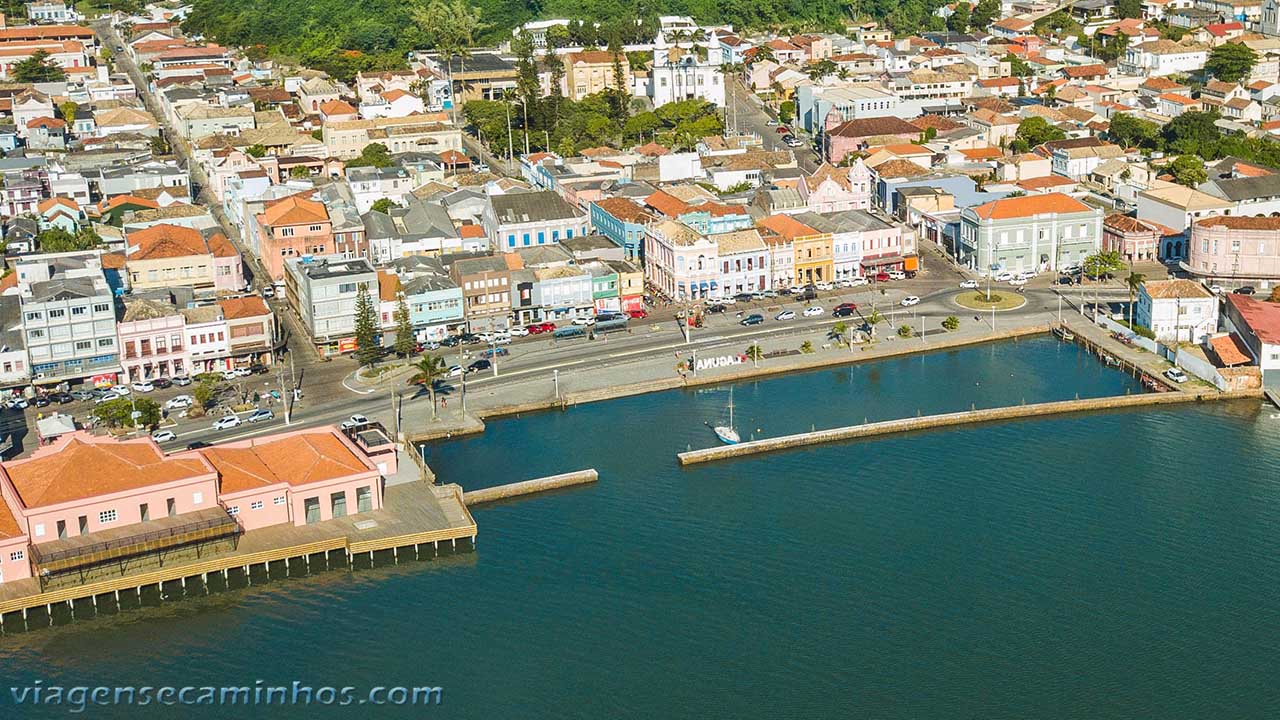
1047, 231
1177, 310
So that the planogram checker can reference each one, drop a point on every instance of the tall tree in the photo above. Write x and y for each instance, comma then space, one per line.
427, 371
960, 18
620, 94
367, 349
1187, 170
984, 14
527, 85
1231, 62
405, 343
37, 68
1129, 9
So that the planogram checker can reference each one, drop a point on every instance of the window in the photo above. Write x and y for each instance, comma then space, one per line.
101, 307
57, 313
286, 232
233, 510
79, 310
17, 555
345, 288
83, 345
34, 316
107, 516
197, 498
255, 505
278, 501
144, 512
39, 529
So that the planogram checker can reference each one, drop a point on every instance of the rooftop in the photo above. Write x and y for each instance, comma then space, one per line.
301, 459
1029, 205
1175, 289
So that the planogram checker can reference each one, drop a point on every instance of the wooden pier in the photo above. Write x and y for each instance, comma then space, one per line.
417, 518
529, 487
969, 417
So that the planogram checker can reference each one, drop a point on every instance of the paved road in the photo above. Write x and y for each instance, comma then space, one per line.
749, 114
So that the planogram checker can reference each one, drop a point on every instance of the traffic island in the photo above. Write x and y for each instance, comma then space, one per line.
998, 300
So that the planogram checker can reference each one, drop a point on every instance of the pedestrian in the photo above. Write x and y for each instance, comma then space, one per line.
444, 402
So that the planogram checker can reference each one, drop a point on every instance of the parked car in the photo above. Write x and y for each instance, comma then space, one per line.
260, 415
969, 285
897, 275
1216, 289
785, 315
224, 423
470, 338
752, 319
858, 282
163, 436
727, 301
17, 403
500, 339
768, 294
639, 314
83, 394
716, 308
451, 341
268, 292
1018, 281
1245, 290
105, 396
882, 277
454, 371
543, 327
808, 293
495, 352
1176, 375
517, 331
783, 130
162, 383
62, 398
771, 122
910, 300
41, 401
179, 402
181, 380
1004, 276
824, 286
813, 311
353, 422
144, 386
479, 366
229, 375
588, 320
744, 297
121, 390
257, 369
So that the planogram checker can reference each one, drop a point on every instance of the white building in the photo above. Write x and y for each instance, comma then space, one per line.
68, 314
679, 73
681, 262
744, 262
1177, 310
1163, 57
370, 184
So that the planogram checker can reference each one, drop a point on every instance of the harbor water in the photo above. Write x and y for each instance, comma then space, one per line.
1111, 565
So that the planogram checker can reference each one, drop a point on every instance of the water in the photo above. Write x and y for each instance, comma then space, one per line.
1111, 565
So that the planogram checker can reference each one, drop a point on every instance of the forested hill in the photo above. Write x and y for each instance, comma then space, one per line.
346, 36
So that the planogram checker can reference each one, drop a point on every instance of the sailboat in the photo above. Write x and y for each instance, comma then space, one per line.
727, 434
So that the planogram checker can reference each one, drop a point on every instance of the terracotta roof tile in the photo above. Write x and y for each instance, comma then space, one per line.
166, 241
300, 459
249, 306
1230, 350
787, 227
295, 210
1029, 205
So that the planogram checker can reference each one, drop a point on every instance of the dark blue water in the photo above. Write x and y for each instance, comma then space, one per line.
1114, 565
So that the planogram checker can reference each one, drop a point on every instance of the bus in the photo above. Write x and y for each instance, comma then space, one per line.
568, 333
617, 324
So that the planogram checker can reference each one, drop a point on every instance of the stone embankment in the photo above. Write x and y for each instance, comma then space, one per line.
529, 487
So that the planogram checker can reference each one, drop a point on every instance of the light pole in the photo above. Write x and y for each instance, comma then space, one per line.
555, 378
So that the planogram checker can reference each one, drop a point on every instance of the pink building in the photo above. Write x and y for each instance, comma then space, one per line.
1235, 246
292, 227
833, 189
151, 340
302, 477
1134, 239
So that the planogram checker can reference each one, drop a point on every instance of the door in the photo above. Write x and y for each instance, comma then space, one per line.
84, 524
338, 501
364, 499
311, 510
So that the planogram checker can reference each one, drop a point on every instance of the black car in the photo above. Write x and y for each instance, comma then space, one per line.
744, 297
62, 398
752, 319
471, 339
1245, 290
41, 401
479, 365
808, 293
843, 311
162, 383
717, 308
451, 341
256, 369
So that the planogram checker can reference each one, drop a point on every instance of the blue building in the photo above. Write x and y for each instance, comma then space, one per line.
622, 221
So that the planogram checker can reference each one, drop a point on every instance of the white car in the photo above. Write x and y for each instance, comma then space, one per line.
519, 331
824, 286
144, 386
229, 375
501, 339
796, 289
813, 311
163, 436
268, 292
910, 300
969, 285
1018, 282
858, 282
181, 380
785, 315
726, 301
455, 371
121, 390
1027, 274
227, 422
354, 421
897, 275
771, 123
584, 321
260, 415
1176, 375
17, 403
1004, 276
1216, 289
107, 396
242, 372
179, 402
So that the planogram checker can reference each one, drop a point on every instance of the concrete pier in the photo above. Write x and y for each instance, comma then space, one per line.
970, 417
529, 487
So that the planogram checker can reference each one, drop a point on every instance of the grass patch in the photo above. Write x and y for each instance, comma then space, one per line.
978, 300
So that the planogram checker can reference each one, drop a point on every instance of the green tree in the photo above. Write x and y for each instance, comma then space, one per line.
1231, 62
984, 13
1129, 9
373, 155
383, 205
641, 125
959, 20
786, 111
566, 148
1036, 130
427, 371
1193, 132
1127, 130
205, 392
37, 68
822, 68
905, 331
159, 146
1103, 263
55, 240
256, 150
951, 323
299, 172
1113, 47
1017, 66
367, 349
1187, 170
69, 110
119, 413
405, 343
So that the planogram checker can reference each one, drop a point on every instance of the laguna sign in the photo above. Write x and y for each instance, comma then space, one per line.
719, 362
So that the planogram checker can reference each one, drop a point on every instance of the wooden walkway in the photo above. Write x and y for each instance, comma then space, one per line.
414, 515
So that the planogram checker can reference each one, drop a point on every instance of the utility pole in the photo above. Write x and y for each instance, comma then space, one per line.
555, 377
288, 401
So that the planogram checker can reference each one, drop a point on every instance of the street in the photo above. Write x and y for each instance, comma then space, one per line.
747, 113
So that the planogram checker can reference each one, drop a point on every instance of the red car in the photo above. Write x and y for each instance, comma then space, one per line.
638, 314
882, 277
543, 327
783, 130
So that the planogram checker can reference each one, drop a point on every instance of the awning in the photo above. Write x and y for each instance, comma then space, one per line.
881, 261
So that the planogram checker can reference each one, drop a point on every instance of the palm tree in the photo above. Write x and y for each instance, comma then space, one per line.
427, 370
838, 330
755, 353
1135, 281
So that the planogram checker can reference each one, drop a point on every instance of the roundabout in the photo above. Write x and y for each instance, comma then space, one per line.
1001, 299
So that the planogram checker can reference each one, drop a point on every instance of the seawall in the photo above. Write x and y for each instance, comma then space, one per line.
968, 417
529, 487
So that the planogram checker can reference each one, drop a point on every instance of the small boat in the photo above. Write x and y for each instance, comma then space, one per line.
727, 434
1064, 334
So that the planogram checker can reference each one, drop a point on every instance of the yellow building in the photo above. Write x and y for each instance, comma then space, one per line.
592, 71
811, 250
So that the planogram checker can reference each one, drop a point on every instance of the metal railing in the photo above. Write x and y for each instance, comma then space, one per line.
42, 557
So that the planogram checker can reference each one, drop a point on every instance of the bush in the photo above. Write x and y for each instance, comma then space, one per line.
118, 413
951, 323
905, 331
806, 347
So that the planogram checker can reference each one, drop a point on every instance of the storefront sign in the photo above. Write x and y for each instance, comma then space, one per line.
719, 362
347, 345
